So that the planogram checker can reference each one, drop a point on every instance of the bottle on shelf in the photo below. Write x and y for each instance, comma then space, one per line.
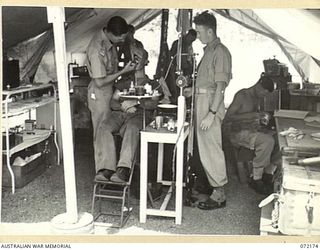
132, 89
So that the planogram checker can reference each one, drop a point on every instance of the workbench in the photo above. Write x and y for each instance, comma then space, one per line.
305, 144
295, 180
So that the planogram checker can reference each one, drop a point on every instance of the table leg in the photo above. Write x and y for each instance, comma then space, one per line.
143, 178
144, 118
160, 162
179, 181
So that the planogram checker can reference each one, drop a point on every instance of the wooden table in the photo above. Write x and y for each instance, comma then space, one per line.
162, 136
307, 144
289, 146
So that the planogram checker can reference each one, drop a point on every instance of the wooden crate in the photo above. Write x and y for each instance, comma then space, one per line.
300, 200
25, 174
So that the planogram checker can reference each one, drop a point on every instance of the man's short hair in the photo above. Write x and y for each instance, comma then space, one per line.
117, 26
192, 33
206, 19
266, 83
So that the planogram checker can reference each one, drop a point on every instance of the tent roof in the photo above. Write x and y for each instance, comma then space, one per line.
295, 30
22, 23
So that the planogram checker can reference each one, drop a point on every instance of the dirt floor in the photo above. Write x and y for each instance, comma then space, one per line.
44, 198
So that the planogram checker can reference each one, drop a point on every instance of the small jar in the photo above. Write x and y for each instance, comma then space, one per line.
148, 88
171, 124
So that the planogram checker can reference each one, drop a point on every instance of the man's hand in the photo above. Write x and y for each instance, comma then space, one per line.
130, 66
207, 121
187, 92
125, 105
131, 110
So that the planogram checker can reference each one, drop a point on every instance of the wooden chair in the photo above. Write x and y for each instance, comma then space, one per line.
104, 191
108, 190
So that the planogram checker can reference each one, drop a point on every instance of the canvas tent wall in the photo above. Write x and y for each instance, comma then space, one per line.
81, 24
296, 31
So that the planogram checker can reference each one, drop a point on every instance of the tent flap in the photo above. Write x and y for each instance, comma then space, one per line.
265, 23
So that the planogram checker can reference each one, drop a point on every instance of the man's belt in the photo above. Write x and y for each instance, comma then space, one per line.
204, 91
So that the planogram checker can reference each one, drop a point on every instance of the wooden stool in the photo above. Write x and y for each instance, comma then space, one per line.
238, 159
244, 159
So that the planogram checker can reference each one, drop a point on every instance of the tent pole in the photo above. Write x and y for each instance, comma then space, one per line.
1, 116
57, 17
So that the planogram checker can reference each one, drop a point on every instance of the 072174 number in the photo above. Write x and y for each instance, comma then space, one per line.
309, 245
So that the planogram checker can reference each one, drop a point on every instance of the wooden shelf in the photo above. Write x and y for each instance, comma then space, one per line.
26, 89
45, 94
16, 108
29, 140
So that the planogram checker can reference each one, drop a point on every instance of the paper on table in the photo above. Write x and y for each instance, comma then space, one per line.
295, 114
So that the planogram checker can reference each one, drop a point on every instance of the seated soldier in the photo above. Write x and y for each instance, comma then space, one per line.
126, 118
242, 124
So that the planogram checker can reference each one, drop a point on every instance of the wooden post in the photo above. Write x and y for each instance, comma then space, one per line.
56, 16
1, 118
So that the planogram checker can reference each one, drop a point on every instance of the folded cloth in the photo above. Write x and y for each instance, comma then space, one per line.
18, 161
293, 133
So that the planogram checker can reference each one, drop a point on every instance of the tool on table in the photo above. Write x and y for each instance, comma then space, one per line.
304, 161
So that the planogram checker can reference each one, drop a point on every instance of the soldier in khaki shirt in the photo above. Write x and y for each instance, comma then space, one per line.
214, 74
102, 63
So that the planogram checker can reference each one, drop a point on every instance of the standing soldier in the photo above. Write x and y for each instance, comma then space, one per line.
102, 63
214, 74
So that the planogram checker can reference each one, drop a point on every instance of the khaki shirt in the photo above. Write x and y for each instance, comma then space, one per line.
215, 66
102, 58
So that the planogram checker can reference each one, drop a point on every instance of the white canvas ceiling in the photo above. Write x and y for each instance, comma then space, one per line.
296, 31
81, 24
